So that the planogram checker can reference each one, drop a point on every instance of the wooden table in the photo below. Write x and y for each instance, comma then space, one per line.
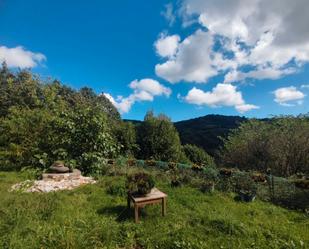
155, 196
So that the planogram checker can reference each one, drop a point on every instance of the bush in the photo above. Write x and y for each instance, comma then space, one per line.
245, 186
140, 183
117, 189
197, 155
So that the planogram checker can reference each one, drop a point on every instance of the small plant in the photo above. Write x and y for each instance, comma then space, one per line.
116, 189
246, 188
207, 187
140, 183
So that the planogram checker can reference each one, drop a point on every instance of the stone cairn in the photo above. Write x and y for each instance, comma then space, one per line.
59, 177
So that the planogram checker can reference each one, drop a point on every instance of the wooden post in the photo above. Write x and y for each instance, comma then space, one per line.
163, 206
136, 212
128, 201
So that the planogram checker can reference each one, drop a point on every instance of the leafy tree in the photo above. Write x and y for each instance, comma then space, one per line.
158, 139
45, 121
125, 134
281, 144
197, 155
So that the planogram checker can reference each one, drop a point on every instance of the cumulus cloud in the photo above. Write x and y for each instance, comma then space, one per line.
220, 95
166, 46
143, 90
192, 60
257, 39
286, 96
19, 57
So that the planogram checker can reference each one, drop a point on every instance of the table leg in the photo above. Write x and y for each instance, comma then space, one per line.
163, 206
128, 202
136, 213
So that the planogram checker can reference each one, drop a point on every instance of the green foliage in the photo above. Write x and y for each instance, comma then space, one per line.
125, 134
245, 185
281, 144
158, 139
117, 189
140, 183
198, 155
41, 122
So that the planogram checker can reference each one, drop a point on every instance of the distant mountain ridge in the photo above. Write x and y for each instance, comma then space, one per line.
205, 131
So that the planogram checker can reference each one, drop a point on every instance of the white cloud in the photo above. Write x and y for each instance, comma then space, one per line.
270, 38
285, 95
166, 46
259, 73
19, 57
221, 95
143, 90
191, 62
304, 86
168, 13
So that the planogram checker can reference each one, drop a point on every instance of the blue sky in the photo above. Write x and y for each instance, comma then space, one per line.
185, 59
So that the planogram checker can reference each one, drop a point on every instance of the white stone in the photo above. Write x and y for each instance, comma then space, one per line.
52, 184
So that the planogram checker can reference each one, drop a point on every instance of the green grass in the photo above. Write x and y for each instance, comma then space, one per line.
95, 216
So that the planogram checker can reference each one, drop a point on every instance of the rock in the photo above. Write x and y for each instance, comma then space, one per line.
56, 169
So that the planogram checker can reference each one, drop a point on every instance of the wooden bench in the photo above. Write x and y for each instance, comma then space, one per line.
155, 196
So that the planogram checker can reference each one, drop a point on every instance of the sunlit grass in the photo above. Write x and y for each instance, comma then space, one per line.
92, 217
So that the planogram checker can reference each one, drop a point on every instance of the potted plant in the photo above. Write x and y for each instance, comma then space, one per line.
140, 184
246, 188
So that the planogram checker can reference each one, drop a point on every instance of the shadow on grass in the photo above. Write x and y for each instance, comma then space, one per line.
121, 212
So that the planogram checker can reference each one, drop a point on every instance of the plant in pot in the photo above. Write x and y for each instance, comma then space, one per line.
246, 188
140, 184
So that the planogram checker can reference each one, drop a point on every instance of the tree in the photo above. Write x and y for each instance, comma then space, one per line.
158, 139
281, 144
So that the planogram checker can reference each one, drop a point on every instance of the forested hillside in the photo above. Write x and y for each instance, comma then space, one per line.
205, 131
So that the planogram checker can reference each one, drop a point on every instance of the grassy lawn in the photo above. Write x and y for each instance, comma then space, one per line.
95, 216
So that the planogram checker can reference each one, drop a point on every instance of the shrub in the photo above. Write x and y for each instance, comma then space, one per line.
245, 186
211, 174
117, 189
140, 183
197, 155
207, 187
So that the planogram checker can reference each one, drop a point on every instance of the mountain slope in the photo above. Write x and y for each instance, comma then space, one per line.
205, 131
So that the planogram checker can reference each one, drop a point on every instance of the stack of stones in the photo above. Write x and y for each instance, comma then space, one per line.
58, 172
59, 178
58, 167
